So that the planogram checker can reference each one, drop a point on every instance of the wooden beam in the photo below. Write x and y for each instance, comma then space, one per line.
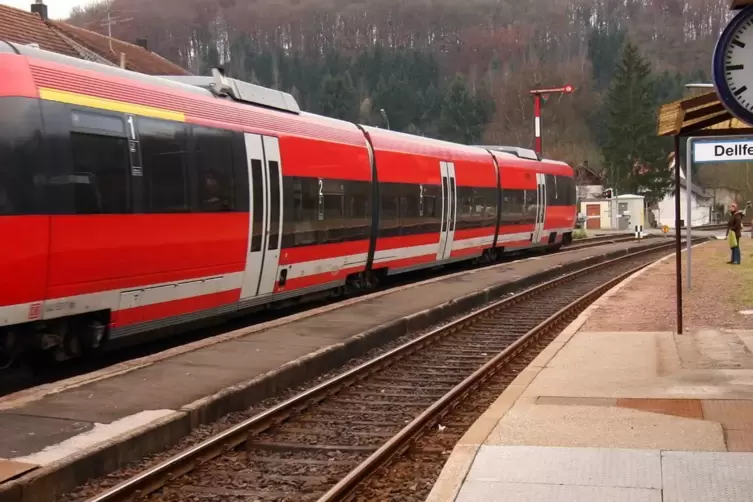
703, 99
702, 112
691, 129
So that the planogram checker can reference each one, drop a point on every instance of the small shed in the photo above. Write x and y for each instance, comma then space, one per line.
628, 211
620, 213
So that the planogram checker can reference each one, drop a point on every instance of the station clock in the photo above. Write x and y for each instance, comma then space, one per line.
733, 66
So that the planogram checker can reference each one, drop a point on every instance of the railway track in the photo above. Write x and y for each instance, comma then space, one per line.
601, 240
337, 440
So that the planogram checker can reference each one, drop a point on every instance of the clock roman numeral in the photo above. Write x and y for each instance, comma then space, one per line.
738, 43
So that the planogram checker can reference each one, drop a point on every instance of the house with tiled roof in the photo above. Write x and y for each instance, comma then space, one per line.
35, 28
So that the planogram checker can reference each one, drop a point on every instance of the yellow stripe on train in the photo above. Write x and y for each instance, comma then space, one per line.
109, 104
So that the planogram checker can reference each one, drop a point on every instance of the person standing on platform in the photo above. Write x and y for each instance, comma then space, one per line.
734, 232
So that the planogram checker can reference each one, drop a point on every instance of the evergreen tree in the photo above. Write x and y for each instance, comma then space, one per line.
338, 98
634, 155
463, 116
399, 100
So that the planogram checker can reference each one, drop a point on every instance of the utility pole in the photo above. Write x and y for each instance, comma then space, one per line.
110, 22
386, 119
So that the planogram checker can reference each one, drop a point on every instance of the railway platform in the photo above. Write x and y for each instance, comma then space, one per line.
620, 407
56, 436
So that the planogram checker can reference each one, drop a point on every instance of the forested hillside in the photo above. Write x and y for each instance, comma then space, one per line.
352, 58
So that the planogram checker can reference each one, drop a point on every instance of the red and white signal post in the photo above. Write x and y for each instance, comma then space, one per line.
538, 94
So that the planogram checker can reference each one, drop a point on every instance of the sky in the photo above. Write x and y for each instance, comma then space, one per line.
57, 9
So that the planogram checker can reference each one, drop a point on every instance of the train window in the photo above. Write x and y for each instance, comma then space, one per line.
257, 214
531, 201
565, 191
97, 122
344, 206
410, 209
101, 174
431, 202
357, 209
445, 204
163, 157
333, 201
512, 207
389, 214
274, 204
571, 195
551, 189
465, 209
20, 156
332, 206
301, 211
213, 149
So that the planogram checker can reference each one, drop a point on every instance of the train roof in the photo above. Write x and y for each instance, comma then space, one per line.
421, 145
213, 101
271, 109
523, 153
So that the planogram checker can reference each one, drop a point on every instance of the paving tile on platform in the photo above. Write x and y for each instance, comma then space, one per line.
568, 466
688, 408
713, 349
739, 440
523, 492
604, 427
707, 477
731, 413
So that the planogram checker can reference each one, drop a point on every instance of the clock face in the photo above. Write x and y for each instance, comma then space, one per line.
733, 66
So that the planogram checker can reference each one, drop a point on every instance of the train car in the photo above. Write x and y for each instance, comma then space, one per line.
131, 204
538, 201
438, 201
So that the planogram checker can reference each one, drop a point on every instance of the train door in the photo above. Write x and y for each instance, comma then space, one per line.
265, 221
538, 229
449, 210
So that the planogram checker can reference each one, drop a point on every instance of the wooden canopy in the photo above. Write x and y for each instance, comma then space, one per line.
702, 115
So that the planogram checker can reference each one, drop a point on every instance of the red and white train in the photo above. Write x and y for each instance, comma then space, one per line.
132, 203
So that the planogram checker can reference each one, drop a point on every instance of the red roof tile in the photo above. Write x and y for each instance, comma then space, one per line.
26, 28
137, 58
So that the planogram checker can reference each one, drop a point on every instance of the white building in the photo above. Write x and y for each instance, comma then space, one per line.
701, 205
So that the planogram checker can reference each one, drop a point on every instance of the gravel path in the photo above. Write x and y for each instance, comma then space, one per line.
719, 293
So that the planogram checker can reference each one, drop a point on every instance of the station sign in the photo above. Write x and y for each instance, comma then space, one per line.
723, 150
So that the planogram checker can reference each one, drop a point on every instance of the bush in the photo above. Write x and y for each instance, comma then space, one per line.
580, 233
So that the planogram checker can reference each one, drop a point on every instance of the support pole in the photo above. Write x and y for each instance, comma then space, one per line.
678, 237
537, 123
689, 196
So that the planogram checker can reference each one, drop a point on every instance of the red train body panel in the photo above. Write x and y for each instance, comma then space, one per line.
139, 203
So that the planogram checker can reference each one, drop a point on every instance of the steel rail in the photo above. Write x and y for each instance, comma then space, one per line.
157, 476
434, 413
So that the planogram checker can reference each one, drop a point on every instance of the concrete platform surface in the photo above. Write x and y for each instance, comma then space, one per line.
623, 415
169, 394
